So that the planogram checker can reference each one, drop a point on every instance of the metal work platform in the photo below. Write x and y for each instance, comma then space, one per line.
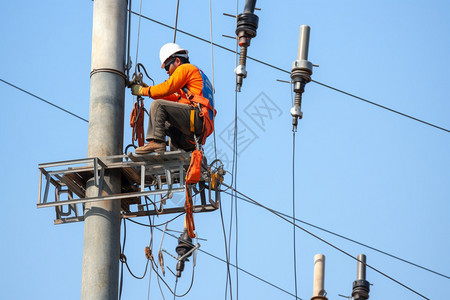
149, 184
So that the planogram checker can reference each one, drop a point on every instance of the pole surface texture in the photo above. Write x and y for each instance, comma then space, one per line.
101, 248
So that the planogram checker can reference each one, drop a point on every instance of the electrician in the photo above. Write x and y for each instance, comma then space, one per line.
183, 108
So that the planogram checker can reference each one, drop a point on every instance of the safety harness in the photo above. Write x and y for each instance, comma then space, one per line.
205, 107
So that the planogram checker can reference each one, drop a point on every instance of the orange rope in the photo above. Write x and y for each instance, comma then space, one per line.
137, 122
193, 175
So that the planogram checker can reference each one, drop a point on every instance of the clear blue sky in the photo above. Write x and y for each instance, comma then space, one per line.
361, 171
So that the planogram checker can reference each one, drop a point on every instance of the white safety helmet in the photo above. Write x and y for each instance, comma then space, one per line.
170, 49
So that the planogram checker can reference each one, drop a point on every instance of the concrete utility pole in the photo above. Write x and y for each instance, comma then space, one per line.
319, 278
101, 249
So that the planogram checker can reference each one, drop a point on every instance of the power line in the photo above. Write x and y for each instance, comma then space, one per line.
293, 210
352, 240
288, 72
381, 106
43, 100
328, 243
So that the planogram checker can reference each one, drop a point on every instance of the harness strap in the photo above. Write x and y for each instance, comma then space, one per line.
192, 120
205, 108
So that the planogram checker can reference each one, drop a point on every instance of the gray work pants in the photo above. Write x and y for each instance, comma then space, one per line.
173, 119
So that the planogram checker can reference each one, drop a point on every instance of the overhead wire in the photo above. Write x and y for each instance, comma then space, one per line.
122, 250
315, 81
227, 256
293, 211
235, 164
139, 30
175, 288
212, 71
167, 285
128, 66
43, 100
176, 22
331, 245
381, 106
293, 202
149, 285
350, 240
159, 284
162, 224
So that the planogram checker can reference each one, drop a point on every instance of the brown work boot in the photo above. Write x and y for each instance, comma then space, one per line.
152, 146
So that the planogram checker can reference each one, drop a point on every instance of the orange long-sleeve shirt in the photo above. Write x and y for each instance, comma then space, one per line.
184, 75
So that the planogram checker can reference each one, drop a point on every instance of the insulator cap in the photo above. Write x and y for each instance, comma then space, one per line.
302, 66
247, 23
361, 289
184, 244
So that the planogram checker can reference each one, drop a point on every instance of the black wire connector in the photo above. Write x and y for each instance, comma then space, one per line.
246, 26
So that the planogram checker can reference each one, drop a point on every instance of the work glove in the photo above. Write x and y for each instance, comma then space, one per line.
136, 89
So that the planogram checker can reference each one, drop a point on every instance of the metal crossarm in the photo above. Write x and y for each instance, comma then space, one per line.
150, 175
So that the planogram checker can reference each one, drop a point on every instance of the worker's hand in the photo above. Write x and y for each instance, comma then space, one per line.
136, 89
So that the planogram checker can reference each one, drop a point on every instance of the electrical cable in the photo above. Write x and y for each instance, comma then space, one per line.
293, 210
127, 65
212, 71
226, 254
351, 240
139, 30
135, 276
165, 283
121, 263
175, 288
381, 106
176, 22
157, 279
240, 269
123, 260
229, 244
150, 246
288, 72
293, 203
236, 229
43, 100
235, 164
149, 284
159, 284
142, 224
331, 245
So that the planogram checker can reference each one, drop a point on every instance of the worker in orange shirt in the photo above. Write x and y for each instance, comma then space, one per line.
183, 108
